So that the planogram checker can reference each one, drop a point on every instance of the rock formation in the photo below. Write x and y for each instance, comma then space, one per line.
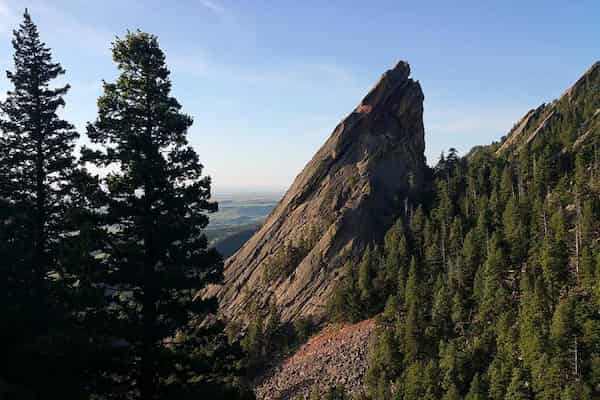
576, 111
345, 198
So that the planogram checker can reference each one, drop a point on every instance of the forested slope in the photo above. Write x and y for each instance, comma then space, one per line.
489, 286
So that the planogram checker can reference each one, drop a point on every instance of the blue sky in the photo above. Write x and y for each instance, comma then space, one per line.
267, 81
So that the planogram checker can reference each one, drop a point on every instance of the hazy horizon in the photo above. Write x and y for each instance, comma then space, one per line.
267, 83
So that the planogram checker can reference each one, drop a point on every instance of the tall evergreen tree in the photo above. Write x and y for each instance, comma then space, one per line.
515, 230
411, 325
554, 257
494, 294
518, 388
37, 191
476, 390
156, 201
365, 279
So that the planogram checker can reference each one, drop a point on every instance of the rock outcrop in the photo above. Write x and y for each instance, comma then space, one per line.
576, 111
345, 198
335, 357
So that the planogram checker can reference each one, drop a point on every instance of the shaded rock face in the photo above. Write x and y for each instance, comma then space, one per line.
344, 199
335, 357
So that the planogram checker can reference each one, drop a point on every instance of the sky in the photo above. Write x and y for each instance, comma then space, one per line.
267, 81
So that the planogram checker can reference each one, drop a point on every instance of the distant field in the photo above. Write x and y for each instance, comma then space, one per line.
239, 216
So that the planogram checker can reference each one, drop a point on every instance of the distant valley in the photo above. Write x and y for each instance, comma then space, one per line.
240, 215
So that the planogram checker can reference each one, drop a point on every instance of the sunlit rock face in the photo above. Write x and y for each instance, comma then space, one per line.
344, 199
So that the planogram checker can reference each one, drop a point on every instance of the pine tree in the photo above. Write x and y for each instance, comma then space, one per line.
518, 388
36, 187
597, 287
345, 304
587, 269
588, 222
507, 189
420, 381
471, 256
254, 344
524, 170
451, 393
563, 335
543, 172
411, 326
441, 310
515, 230
476, 390
452, 364
576, 391
549, 387
444, 214
365, 279
417, 230
483, 226
554, 257
396, 256
494, 296
458, 313
156, 200
383, 364
533, 322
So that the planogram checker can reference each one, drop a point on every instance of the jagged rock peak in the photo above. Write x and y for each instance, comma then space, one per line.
344, 199
387, 83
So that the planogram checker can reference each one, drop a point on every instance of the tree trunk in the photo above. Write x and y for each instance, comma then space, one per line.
39, 228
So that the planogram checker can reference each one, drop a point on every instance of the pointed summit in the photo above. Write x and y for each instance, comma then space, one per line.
343, 200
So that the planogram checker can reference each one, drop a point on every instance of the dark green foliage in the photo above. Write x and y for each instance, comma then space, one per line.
366, 280
384, 360
266, 339
43, 295
518, 389
345, 304
153, 209
487, 286
477, 390
496, 301
288, 257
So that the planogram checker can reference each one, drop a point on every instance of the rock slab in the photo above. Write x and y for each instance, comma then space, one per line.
345, 198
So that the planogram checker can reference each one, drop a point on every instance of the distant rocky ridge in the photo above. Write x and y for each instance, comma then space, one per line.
579, 103
345, 198
231, 243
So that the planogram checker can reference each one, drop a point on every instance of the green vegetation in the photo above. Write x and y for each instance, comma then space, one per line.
487, 286
287, 258
99, 274
37, 195
491, 289
267, 339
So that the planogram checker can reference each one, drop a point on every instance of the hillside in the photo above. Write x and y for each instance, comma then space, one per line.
487, 284
148, 252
